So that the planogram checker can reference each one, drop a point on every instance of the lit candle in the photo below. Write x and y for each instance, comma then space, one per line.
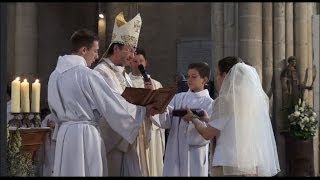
35, 100
25, 101
15, 95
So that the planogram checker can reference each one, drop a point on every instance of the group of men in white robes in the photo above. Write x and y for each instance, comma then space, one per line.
97, 130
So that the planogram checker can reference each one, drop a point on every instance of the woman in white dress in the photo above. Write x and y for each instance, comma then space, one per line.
240, 121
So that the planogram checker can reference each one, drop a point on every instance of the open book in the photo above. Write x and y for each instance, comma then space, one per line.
143, 97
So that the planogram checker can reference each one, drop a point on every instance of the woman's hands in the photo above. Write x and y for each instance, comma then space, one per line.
189, 116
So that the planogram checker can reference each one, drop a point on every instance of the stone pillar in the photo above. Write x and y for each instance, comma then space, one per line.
101, 28
229, 29
289, 30
26, 41
316, 61
312, 52
217, 35
301, 39
267, 51
11, 16
278, 65
310, 48
250, 34
102, 35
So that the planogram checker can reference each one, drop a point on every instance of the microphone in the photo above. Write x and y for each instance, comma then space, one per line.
144, 73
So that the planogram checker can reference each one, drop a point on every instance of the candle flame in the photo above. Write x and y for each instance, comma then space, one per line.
36, 81
25, 80
18, 79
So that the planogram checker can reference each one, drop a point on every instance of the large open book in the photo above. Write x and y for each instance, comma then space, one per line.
143, 97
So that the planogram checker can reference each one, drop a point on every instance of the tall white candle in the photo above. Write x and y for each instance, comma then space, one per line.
25, 100
15, 95
35, 99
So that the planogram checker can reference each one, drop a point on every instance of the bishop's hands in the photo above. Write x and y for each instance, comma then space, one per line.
189, 116
152, 110
148, 85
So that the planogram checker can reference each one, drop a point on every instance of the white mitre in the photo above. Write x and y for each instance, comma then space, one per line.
126, 32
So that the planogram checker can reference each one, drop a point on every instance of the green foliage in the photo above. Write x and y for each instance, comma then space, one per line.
19, 163
303, 121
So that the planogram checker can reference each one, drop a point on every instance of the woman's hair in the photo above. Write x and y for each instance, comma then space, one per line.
82, 37
202, 68
227, 63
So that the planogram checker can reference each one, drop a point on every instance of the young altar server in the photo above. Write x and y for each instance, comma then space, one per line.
187, 151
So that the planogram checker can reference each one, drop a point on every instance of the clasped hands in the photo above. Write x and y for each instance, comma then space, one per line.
189, 116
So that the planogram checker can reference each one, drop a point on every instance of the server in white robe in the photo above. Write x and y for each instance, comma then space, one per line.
151, 139
77, 97
121, 153
187, 151
245, 141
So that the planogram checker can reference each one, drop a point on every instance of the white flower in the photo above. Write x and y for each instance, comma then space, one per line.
301, 125
305, 118
312, 119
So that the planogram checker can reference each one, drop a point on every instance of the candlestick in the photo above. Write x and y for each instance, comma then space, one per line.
35, 101
25, 100
15, 121
15, 95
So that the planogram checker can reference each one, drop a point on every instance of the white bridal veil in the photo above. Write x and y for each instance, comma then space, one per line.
247, 138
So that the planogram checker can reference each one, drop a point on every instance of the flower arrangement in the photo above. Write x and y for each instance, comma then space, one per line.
19, 164
303, 121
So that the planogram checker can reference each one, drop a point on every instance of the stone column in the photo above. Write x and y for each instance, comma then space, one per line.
229, 29
217, 35
316, 61
102, 35
267, 51
289, 30
11, 16
301, 40
26, 41
310, 49
250, 34
278, 65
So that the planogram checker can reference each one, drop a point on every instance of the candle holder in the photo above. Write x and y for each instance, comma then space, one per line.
36, 121
16, 120
25, 120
